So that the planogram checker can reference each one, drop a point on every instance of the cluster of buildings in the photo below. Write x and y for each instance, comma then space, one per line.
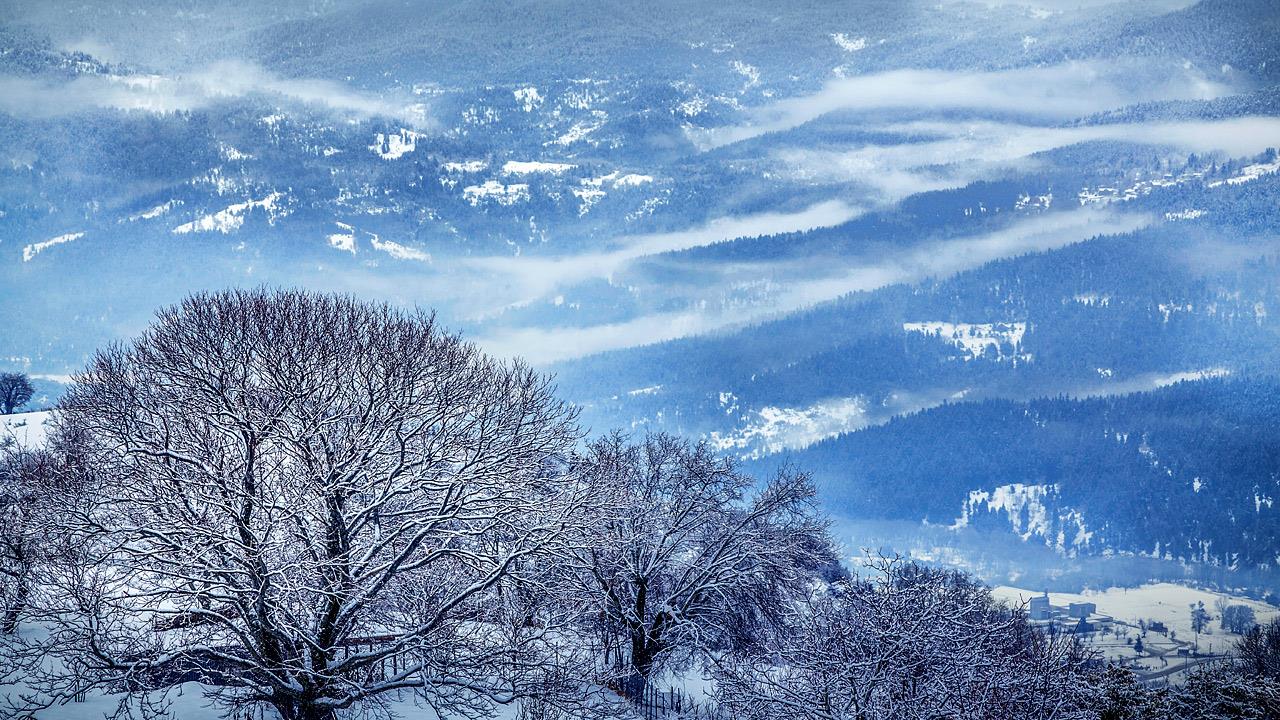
1077, 617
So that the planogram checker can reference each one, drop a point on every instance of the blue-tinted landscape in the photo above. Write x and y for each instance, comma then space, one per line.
1002, 278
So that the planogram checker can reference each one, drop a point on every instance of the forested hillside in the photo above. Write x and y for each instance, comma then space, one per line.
1187, 472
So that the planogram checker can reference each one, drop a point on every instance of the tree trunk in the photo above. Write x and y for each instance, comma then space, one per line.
303, 709
14, 611
642, 658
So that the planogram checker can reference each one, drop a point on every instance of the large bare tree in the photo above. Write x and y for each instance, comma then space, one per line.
691, 554
313, 502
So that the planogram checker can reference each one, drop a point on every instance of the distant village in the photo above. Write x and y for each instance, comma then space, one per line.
1150, 648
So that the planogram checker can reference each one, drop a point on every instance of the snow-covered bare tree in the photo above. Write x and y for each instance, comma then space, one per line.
22, 471
314, 502
904, 641
1259, 650
691, 554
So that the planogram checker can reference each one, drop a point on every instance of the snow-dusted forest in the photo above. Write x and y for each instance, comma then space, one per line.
308, 506
623, 360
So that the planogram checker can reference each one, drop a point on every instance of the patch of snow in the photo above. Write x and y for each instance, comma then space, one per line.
580, 130
647, 208
847, 43
750, 72
580, 98
231, 154
465, 166
398, 251
1249, 173
1169, 309
494, 191
156, 211
28, 429
774, 429
1092, 299
589, 196
1036, 202
592, 192
480, 116
1188, 214
616, 180
30, 251
529, 98
976, 339
391, 146
521, 167
1023, 504
632, 180
222, 184
693, 106
344, 240
1106, 194
232, 217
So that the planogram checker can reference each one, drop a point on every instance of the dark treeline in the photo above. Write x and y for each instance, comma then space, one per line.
1190, 467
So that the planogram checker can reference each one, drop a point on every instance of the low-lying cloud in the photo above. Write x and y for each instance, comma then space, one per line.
1038, 233
519, 280
970, 151
1053, 93
42, 98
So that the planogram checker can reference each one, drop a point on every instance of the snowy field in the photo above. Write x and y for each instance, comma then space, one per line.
1165, 602
1168, 603
26, 429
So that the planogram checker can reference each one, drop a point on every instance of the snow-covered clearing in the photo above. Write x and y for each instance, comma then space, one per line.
28, 429
494, 191
975, 339
521, 167
390, 146
1168, 603
29, 252
232, 217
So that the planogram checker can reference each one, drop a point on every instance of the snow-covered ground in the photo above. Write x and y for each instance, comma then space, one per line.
188, 702
29, 252
521, 167
497, 192
975, 339
27, 429
775, 429
391, 146
1168, 603
232, 217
